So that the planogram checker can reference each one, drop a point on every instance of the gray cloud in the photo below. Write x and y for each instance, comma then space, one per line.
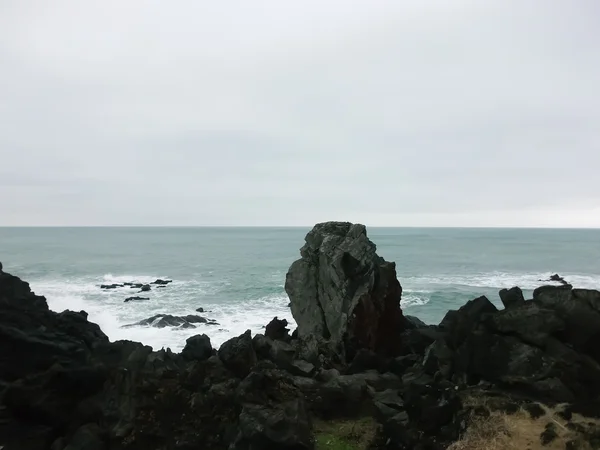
437, 113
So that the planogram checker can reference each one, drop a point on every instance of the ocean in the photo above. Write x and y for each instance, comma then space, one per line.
237, 274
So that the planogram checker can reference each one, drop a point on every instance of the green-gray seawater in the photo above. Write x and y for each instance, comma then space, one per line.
238, 273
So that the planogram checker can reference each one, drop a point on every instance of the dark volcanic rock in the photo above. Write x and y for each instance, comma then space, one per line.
135, 299
556, 277
277, 329
459, 324
145, 288
512, 297
284, 426
162, 282
197, 348
238, 354
342, 291
110, 286
167, 320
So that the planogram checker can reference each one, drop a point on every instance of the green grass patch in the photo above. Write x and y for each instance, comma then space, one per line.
345, 434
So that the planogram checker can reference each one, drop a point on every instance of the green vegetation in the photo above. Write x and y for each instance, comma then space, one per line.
345, 435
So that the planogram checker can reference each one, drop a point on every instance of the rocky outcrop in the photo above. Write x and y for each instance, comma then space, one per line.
342, 291
167, 320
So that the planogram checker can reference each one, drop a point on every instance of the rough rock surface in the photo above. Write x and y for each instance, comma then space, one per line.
342, 291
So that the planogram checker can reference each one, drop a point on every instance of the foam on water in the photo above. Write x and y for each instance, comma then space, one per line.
500, 280
107, 308
236, 312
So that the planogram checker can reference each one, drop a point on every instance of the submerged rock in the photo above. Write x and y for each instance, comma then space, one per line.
111, 286
136, 299
145, 288
162, 282
167, 320
342, 291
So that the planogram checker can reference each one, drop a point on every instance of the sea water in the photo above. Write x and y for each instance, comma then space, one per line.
237, 275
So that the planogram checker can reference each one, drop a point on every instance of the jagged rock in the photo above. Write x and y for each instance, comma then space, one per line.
277, 329
512, 297
167, 320
284, 426
459, 324
136, 299
580, 310
197, 348
110, 286
438, 357
556, 277
301, 368
162, 282
238, 354
529, 321
342, 291
415, 322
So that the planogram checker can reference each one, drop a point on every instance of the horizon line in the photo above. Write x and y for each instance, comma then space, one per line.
311, 226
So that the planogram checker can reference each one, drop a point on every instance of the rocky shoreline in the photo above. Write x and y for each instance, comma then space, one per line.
356, 373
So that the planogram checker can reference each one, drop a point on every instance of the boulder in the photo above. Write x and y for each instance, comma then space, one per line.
277, 329
197, 348
512, 297
342, 291
136, 299
580, 311
238, 354
459, 324
283, 426
145, 288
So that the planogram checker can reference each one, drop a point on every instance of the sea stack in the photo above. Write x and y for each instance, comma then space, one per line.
343, 292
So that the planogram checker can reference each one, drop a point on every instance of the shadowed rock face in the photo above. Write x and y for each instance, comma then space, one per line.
341, 290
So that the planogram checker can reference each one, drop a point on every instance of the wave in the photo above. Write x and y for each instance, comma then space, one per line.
106, 307
498, 280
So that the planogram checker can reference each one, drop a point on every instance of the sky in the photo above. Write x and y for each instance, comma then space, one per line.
388, 113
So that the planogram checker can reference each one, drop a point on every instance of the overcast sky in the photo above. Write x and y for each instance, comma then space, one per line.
404, 113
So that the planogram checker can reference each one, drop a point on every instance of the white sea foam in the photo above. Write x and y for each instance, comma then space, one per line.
234, 315
409, 300
106, 307
499, 280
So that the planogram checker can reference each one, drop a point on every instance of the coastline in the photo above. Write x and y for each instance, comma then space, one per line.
409, 384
